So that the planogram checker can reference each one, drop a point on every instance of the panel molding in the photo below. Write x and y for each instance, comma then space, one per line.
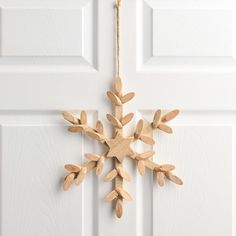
41, 129
36, 145
201, 144
154, 54
61, 53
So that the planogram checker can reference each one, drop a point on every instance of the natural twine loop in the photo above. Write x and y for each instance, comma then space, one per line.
117, 3
117, 59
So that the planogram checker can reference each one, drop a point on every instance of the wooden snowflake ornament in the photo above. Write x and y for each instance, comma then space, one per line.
118, 147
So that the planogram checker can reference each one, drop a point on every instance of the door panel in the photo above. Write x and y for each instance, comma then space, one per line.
59, 55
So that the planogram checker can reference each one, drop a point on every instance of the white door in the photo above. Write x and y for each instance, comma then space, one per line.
58, 55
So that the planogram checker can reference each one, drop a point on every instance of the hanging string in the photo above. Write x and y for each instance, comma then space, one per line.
117, 59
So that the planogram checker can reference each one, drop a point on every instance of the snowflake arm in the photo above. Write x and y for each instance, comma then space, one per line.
76, 172
163, 172
80, 125
119, 146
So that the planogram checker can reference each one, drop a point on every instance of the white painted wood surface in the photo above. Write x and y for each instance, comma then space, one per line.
58, 55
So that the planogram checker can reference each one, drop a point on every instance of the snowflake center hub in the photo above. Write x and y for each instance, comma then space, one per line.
119, 147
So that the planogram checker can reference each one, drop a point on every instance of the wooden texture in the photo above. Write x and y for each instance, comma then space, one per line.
118, 148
